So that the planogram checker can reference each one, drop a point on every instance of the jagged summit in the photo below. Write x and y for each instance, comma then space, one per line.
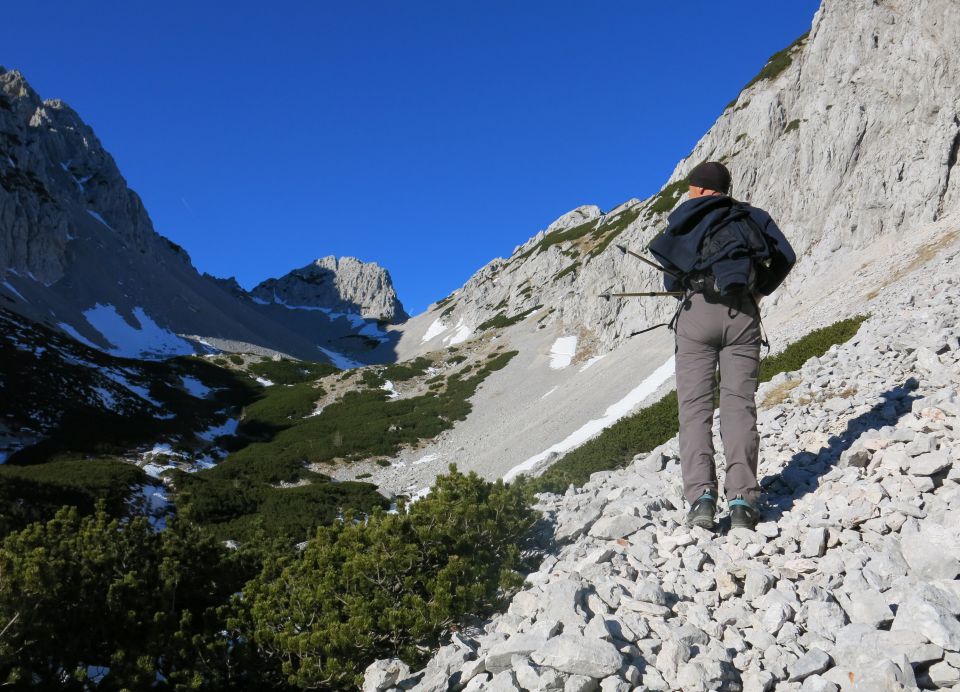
342, 285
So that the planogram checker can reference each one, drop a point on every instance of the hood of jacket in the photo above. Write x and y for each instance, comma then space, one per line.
679, 243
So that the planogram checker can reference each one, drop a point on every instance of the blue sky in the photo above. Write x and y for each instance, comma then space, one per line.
430, 137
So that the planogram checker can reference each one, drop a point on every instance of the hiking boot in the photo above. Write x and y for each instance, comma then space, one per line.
702, 511
743, 515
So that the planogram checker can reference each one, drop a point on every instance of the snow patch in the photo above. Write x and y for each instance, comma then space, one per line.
222, 430
426, 459
550, 392
137, 389
14, 291
195, 387
107, 399
77, 335
149, 340
339, 360
592, 361
99, 218
462, 333
264, 381
391, 389
613, 413
562, 352
433, 331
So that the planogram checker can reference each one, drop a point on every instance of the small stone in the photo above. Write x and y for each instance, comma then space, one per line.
758, 681
649, 592
502, 682
774, 616
578, 655
813, 662
942, 674
726, 585
922, 614
580, 683
616, 526
815, 543
384, 674
816, 683
929, 464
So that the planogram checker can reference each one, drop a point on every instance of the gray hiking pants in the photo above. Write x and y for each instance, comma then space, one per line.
727, 333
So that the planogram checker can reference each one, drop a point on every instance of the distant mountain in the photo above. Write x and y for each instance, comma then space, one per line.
79, 253
345, 285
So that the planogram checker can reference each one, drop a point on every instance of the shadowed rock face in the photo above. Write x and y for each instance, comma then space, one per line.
342, 285
76, 242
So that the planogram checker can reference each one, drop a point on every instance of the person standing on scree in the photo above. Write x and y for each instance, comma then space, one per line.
725, 255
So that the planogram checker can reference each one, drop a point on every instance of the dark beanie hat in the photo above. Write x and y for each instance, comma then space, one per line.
711, 175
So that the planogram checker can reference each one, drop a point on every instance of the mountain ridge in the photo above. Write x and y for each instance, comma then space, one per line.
67, 213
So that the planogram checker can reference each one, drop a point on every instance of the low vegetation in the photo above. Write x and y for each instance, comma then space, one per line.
281, 440
775, 66
177, 610
650, 427
500, 320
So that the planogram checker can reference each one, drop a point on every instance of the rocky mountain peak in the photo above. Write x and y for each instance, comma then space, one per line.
342, 284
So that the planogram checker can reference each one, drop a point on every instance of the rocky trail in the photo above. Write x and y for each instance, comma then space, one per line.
849, 583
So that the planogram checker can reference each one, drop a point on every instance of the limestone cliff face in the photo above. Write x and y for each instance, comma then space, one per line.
78, 251
342, 285
847, 137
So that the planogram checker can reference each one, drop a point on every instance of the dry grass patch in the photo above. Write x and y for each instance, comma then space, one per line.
781, 392
924, 255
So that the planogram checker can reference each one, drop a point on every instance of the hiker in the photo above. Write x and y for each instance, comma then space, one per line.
725, 256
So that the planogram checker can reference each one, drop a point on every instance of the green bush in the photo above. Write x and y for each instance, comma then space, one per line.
400, 372
389, 585
235, 359
501, 321
286, 371
281, 442
81, 594
652, 426
37, 492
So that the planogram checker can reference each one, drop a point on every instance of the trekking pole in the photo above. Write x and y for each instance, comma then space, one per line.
624, 250
645, 294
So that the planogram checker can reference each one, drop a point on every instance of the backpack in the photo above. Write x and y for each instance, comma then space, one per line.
732, 257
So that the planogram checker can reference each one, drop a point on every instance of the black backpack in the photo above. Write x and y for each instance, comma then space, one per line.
732, 257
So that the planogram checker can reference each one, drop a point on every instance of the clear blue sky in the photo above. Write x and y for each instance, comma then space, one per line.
430, 137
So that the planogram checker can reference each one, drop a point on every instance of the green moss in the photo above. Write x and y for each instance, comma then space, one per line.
791, 126
667, 198
557, 237
778, 62
739, 137
612, 228
563, 272
500, 320
775, 65
655, 424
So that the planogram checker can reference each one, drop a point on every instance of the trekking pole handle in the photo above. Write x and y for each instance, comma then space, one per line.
644, 259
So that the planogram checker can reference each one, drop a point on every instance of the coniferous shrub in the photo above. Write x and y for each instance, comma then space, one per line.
387, 584
94, 602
